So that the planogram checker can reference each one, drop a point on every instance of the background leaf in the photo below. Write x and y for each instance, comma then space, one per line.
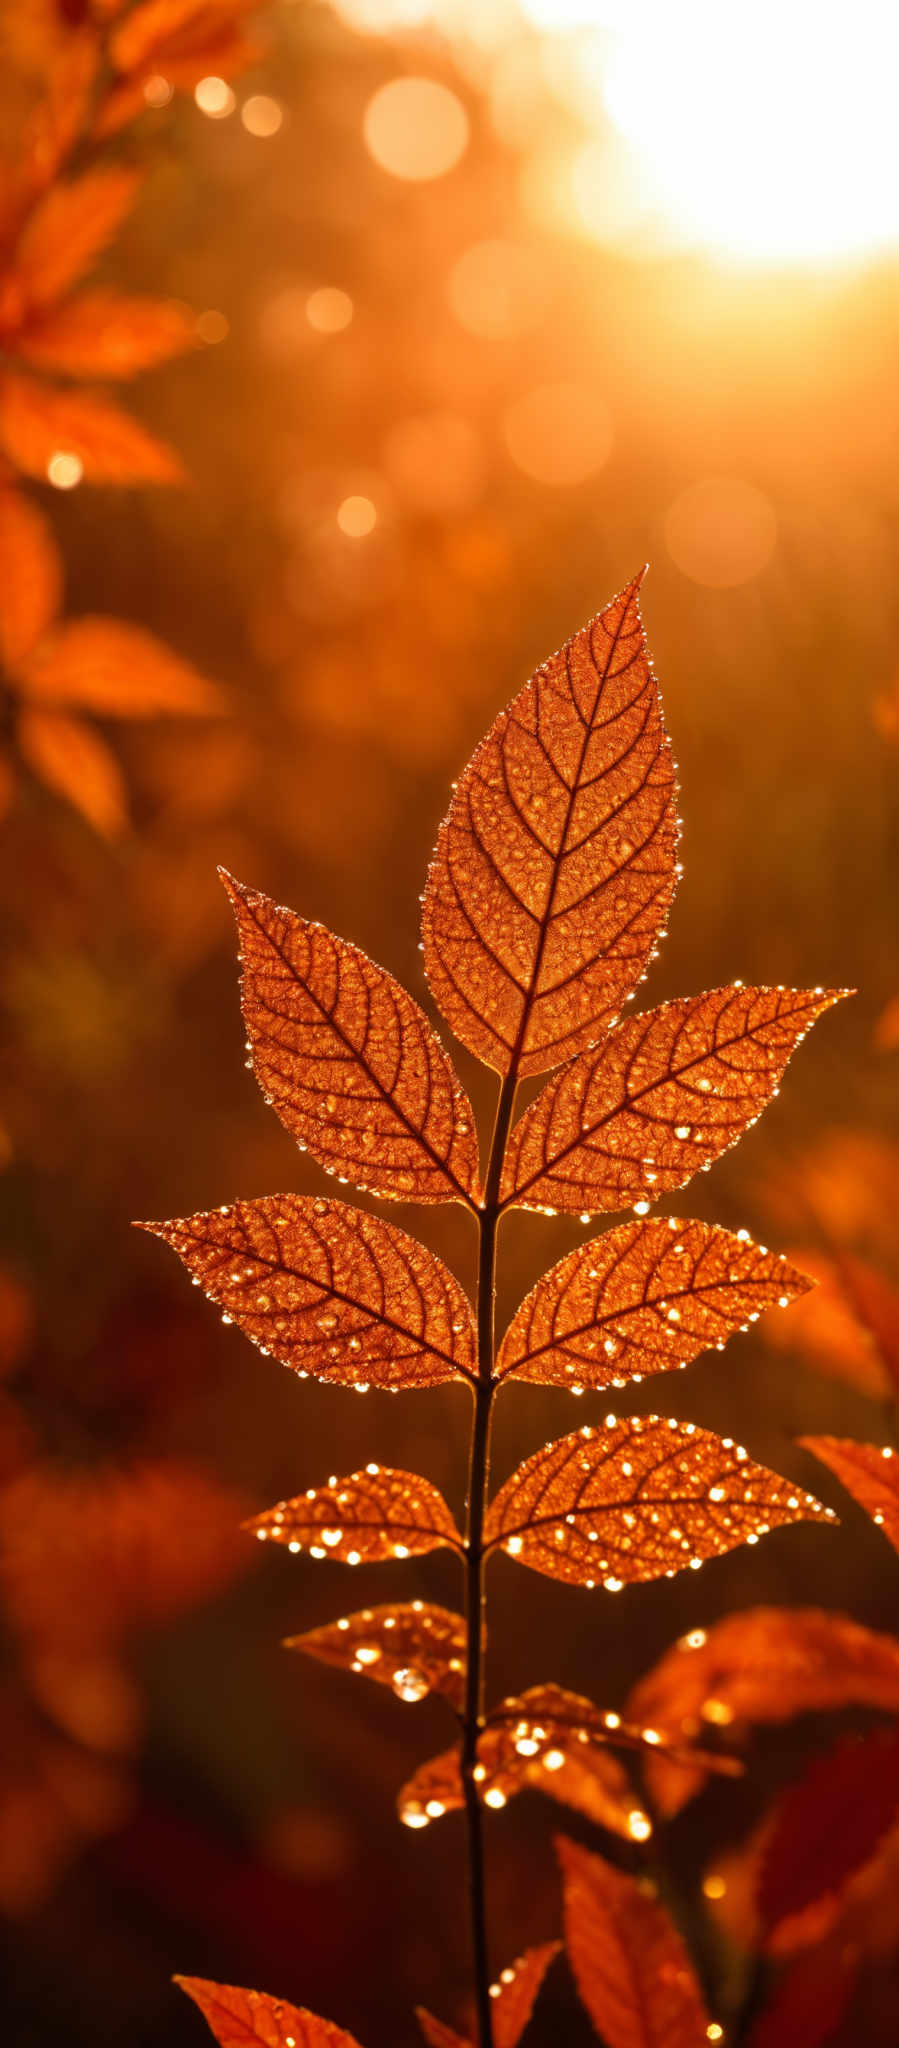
630, 1965
554, 868
666, 1093
69, 229
117, 670
830, 1823
103, 334
513, 1996
31, 575
642, 1299
76, 763
37, 423
869, 1472
641, 1499
348, 1060
330, 1290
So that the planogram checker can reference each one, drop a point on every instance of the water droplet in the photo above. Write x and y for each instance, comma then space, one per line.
409, 1684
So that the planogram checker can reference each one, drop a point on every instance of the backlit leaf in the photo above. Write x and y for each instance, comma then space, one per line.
513, 1994
555, 867
57, 120
102, 334
37, 423
349, 1061
118, 671
665, 1094
830, 1823
869, 1472
548, 1718
629, 1963
764, 1665
69, 229
76, 763
642, 1299
330, 1290
30, 577
640, 1499
251, 2019
155, 23
368, 1516
824, 1331
413, 1647
594, 1782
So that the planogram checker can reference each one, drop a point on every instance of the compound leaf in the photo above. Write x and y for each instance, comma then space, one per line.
369, 1516
349, 1061
414, 1647
764, 1665
629, 1963
640, 1499
642, 1299
869, 1472
665, 1094
251, 2019
330, 1290
555, 866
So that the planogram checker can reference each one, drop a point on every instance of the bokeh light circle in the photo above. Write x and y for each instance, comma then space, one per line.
721, 532
415, 128
559, 433
493, 290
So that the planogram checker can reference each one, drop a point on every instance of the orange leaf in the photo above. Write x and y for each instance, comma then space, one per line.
155, 23
118, 671
765, 1665
666, 1093
369, 1516
595, 1784
555, 867
629, 1963
69, 229
642, 1299
641, 1499
830, 1824
548, 1718
349, 1061
250, 2019
60, 114
30, 577
37, 423
330, 1290
825, 1333
76, 764
514, 1996
869, 1472
412, 1647
102, 334
221, 52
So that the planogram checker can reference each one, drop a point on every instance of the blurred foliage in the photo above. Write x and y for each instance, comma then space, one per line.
177, 1792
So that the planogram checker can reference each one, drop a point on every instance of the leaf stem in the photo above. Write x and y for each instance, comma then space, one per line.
475, 1597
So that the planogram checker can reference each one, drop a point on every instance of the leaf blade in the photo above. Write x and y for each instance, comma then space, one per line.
372, 1515
37, 422
103, 334
642, 1299
69, 228
331, 1290
528, 955
666, 1094
242, 2019
76, 763
413, 1647
117, 670
349, 1061
630, 1964
829, 1824
31, 576
638, 1500
869, 1472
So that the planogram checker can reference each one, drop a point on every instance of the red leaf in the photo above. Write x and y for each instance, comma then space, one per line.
243, 2019
330, 1290
30, 577
76, 763
117, 671
665, 1094
641, 1499
349, 1061
102, 334
370, 1515
554, 868
412, 1647
830, 1823
765, 1665
629, 1962
37, 423
514, 1996
870, 1473
642, 1299
69, 229
808, 2004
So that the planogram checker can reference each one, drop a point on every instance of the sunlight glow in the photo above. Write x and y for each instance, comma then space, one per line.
766, 134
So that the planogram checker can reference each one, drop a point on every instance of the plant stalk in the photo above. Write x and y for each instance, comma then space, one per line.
475, 1597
